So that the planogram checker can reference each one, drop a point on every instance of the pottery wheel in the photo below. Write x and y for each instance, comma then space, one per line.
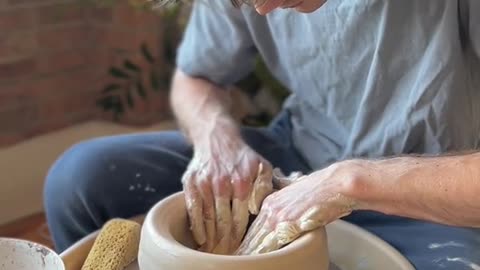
353, 248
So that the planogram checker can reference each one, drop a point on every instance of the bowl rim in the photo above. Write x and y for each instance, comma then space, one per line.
32, 244
180, 250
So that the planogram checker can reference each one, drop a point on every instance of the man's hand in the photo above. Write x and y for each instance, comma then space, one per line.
306, 6
224, 180
308, 203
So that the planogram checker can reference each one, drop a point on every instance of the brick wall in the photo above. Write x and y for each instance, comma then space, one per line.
54, 59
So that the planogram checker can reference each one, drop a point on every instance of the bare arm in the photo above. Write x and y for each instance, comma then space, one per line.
201, 107
225, 179
442, 189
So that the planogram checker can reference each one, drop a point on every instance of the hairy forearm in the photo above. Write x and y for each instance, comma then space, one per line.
443, 189
200, 107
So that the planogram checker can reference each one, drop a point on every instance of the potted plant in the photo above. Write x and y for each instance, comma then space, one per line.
129, 79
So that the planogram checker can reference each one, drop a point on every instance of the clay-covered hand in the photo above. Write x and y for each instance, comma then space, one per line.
309, 202
224, 181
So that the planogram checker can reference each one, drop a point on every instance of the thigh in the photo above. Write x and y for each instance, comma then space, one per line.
123, 176
115, 176
428, 246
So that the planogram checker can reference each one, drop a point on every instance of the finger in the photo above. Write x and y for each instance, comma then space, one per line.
311, 220
254, 236
285, 233
262, 187
194, 207
269, 243
256, 241
223, 225
222, 189
240, 222
208, 215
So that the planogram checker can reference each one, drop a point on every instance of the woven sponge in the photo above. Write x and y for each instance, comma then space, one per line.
115, 247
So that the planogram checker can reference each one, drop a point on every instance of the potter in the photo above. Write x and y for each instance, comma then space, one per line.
382, 121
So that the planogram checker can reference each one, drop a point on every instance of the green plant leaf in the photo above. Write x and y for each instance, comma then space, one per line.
146, 53
141, 89
154, 81
111, 88
131, 66
118, 108
170, 52
106, 102
118, 73
129, 98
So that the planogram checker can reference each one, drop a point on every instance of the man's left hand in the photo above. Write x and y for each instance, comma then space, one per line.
310, 202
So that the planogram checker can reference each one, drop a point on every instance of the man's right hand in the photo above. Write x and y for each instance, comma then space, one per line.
224, 181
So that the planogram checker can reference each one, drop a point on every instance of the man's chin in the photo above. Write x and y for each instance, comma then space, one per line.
308, 8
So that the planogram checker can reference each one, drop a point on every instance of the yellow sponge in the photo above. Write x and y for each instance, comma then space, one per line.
115, 247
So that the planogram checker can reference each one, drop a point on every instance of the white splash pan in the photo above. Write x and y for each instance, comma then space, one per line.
18, 254
350, 248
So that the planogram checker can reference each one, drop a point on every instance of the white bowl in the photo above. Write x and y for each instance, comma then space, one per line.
167, 243
16, 254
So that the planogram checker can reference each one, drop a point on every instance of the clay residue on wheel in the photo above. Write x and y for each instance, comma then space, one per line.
43, 253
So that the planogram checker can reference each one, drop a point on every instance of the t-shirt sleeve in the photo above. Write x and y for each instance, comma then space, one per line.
216, 43
470, 19
475, 25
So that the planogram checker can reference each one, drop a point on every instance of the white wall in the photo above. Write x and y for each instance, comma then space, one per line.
23, 166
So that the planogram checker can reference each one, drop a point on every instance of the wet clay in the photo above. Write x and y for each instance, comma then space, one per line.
166, 242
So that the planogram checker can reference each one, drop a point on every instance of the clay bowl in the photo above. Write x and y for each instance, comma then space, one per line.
17, 254
166, 243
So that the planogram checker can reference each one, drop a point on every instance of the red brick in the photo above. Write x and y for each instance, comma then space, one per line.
65, 38
15, 20
100, 15
54, 84
123, 40
65, 104
129, 17
15, 45
60, 13
17, 69
10, 139
98, 36
28, 2
19, 117
61, 61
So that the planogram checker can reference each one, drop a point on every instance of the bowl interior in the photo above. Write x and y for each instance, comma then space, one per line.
167, 243
179, 227
18, 254
172, 210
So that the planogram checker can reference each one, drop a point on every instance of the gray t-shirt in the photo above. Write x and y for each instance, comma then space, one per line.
369, 78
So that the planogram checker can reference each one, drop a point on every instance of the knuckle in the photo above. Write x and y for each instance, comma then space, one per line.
268, 203
222, 180
187, 177
222, 185
203, 183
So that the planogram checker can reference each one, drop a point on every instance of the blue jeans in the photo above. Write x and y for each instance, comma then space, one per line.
125, 175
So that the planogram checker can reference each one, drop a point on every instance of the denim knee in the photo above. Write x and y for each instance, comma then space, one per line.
70, 184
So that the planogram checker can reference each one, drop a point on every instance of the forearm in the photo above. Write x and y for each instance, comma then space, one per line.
200, 107
442, 189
